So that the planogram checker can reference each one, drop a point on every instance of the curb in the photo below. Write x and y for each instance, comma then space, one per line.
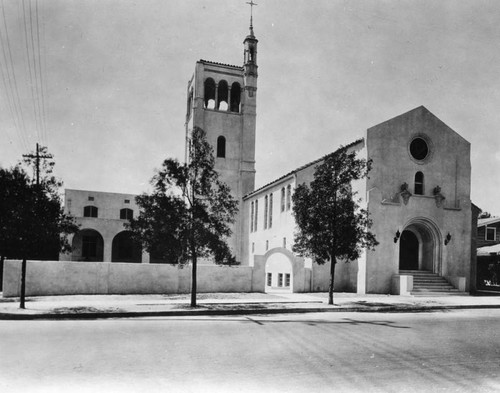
206, 312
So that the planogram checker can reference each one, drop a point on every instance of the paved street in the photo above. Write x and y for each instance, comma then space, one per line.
455, 351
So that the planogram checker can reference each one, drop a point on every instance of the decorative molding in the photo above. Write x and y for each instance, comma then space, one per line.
438, 196
390, 203
405, 194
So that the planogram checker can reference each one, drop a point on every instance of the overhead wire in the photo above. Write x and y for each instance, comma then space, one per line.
10, 103
42, 79
30, 72
12, 84
36, 73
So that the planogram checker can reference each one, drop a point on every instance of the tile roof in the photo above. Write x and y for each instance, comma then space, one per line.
302, 167
222, 64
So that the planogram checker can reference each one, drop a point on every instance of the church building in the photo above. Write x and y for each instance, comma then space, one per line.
417, 195
418, 192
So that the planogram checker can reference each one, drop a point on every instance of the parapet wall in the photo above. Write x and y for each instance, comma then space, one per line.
100, 278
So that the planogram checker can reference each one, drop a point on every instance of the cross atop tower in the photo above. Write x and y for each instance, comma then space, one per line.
251, 3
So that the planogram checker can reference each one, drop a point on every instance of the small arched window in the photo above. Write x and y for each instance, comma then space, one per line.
126, 214
221, 147
235, 97
266, 208
288, 197
270, 210
419, 183
252, 54
209, 98
90, 211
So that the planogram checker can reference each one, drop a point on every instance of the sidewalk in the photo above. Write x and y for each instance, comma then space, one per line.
127, 306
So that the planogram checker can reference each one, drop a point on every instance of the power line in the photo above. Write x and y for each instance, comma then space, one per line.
14, 91
11, 109
41, 71
39, 119
30, 70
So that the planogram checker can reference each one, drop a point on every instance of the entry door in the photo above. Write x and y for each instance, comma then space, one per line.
408, 251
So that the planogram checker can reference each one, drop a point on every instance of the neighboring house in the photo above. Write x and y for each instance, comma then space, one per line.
102, 236
488, 231
488, 253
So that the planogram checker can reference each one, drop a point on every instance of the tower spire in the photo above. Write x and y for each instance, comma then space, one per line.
251, 3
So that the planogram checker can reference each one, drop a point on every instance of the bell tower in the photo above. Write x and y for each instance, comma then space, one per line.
222, 100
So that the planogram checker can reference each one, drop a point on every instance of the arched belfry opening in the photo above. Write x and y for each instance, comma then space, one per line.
209, 98
420, 247
235, 97
222, 96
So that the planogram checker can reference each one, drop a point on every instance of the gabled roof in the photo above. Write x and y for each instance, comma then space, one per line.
302, 167
423, 112
487, 221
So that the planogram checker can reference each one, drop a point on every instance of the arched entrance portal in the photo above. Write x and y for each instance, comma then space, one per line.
87, 245
420, 246
408, 251
125, 249
279, 273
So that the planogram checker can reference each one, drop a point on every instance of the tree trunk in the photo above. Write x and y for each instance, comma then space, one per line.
2, 259
193, 280
23, 283
332, 280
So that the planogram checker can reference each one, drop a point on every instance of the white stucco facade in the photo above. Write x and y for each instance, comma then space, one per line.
420, 206
102, 235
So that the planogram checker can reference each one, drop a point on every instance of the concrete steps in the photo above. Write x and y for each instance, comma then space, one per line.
426, 283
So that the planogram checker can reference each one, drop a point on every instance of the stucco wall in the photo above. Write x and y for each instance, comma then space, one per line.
283, 223
70, 278
237, 168
108, 203
107, 223
345, 277
447, 166
265, 240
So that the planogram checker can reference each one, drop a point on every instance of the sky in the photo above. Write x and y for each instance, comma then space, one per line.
103, 83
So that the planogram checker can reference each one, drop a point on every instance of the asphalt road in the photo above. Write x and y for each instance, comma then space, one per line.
454, 351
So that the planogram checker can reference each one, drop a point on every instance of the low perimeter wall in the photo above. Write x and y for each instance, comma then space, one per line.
72, 278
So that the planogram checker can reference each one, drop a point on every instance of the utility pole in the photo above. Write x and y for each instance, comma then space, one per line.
37, 156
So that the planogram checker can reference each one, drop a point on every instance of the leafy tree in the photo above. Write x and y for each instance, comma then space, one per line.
33, 224
187, 215
330, 223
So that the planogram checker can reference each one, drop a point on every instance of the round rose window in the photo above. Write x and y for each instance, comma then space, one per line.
419, 149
